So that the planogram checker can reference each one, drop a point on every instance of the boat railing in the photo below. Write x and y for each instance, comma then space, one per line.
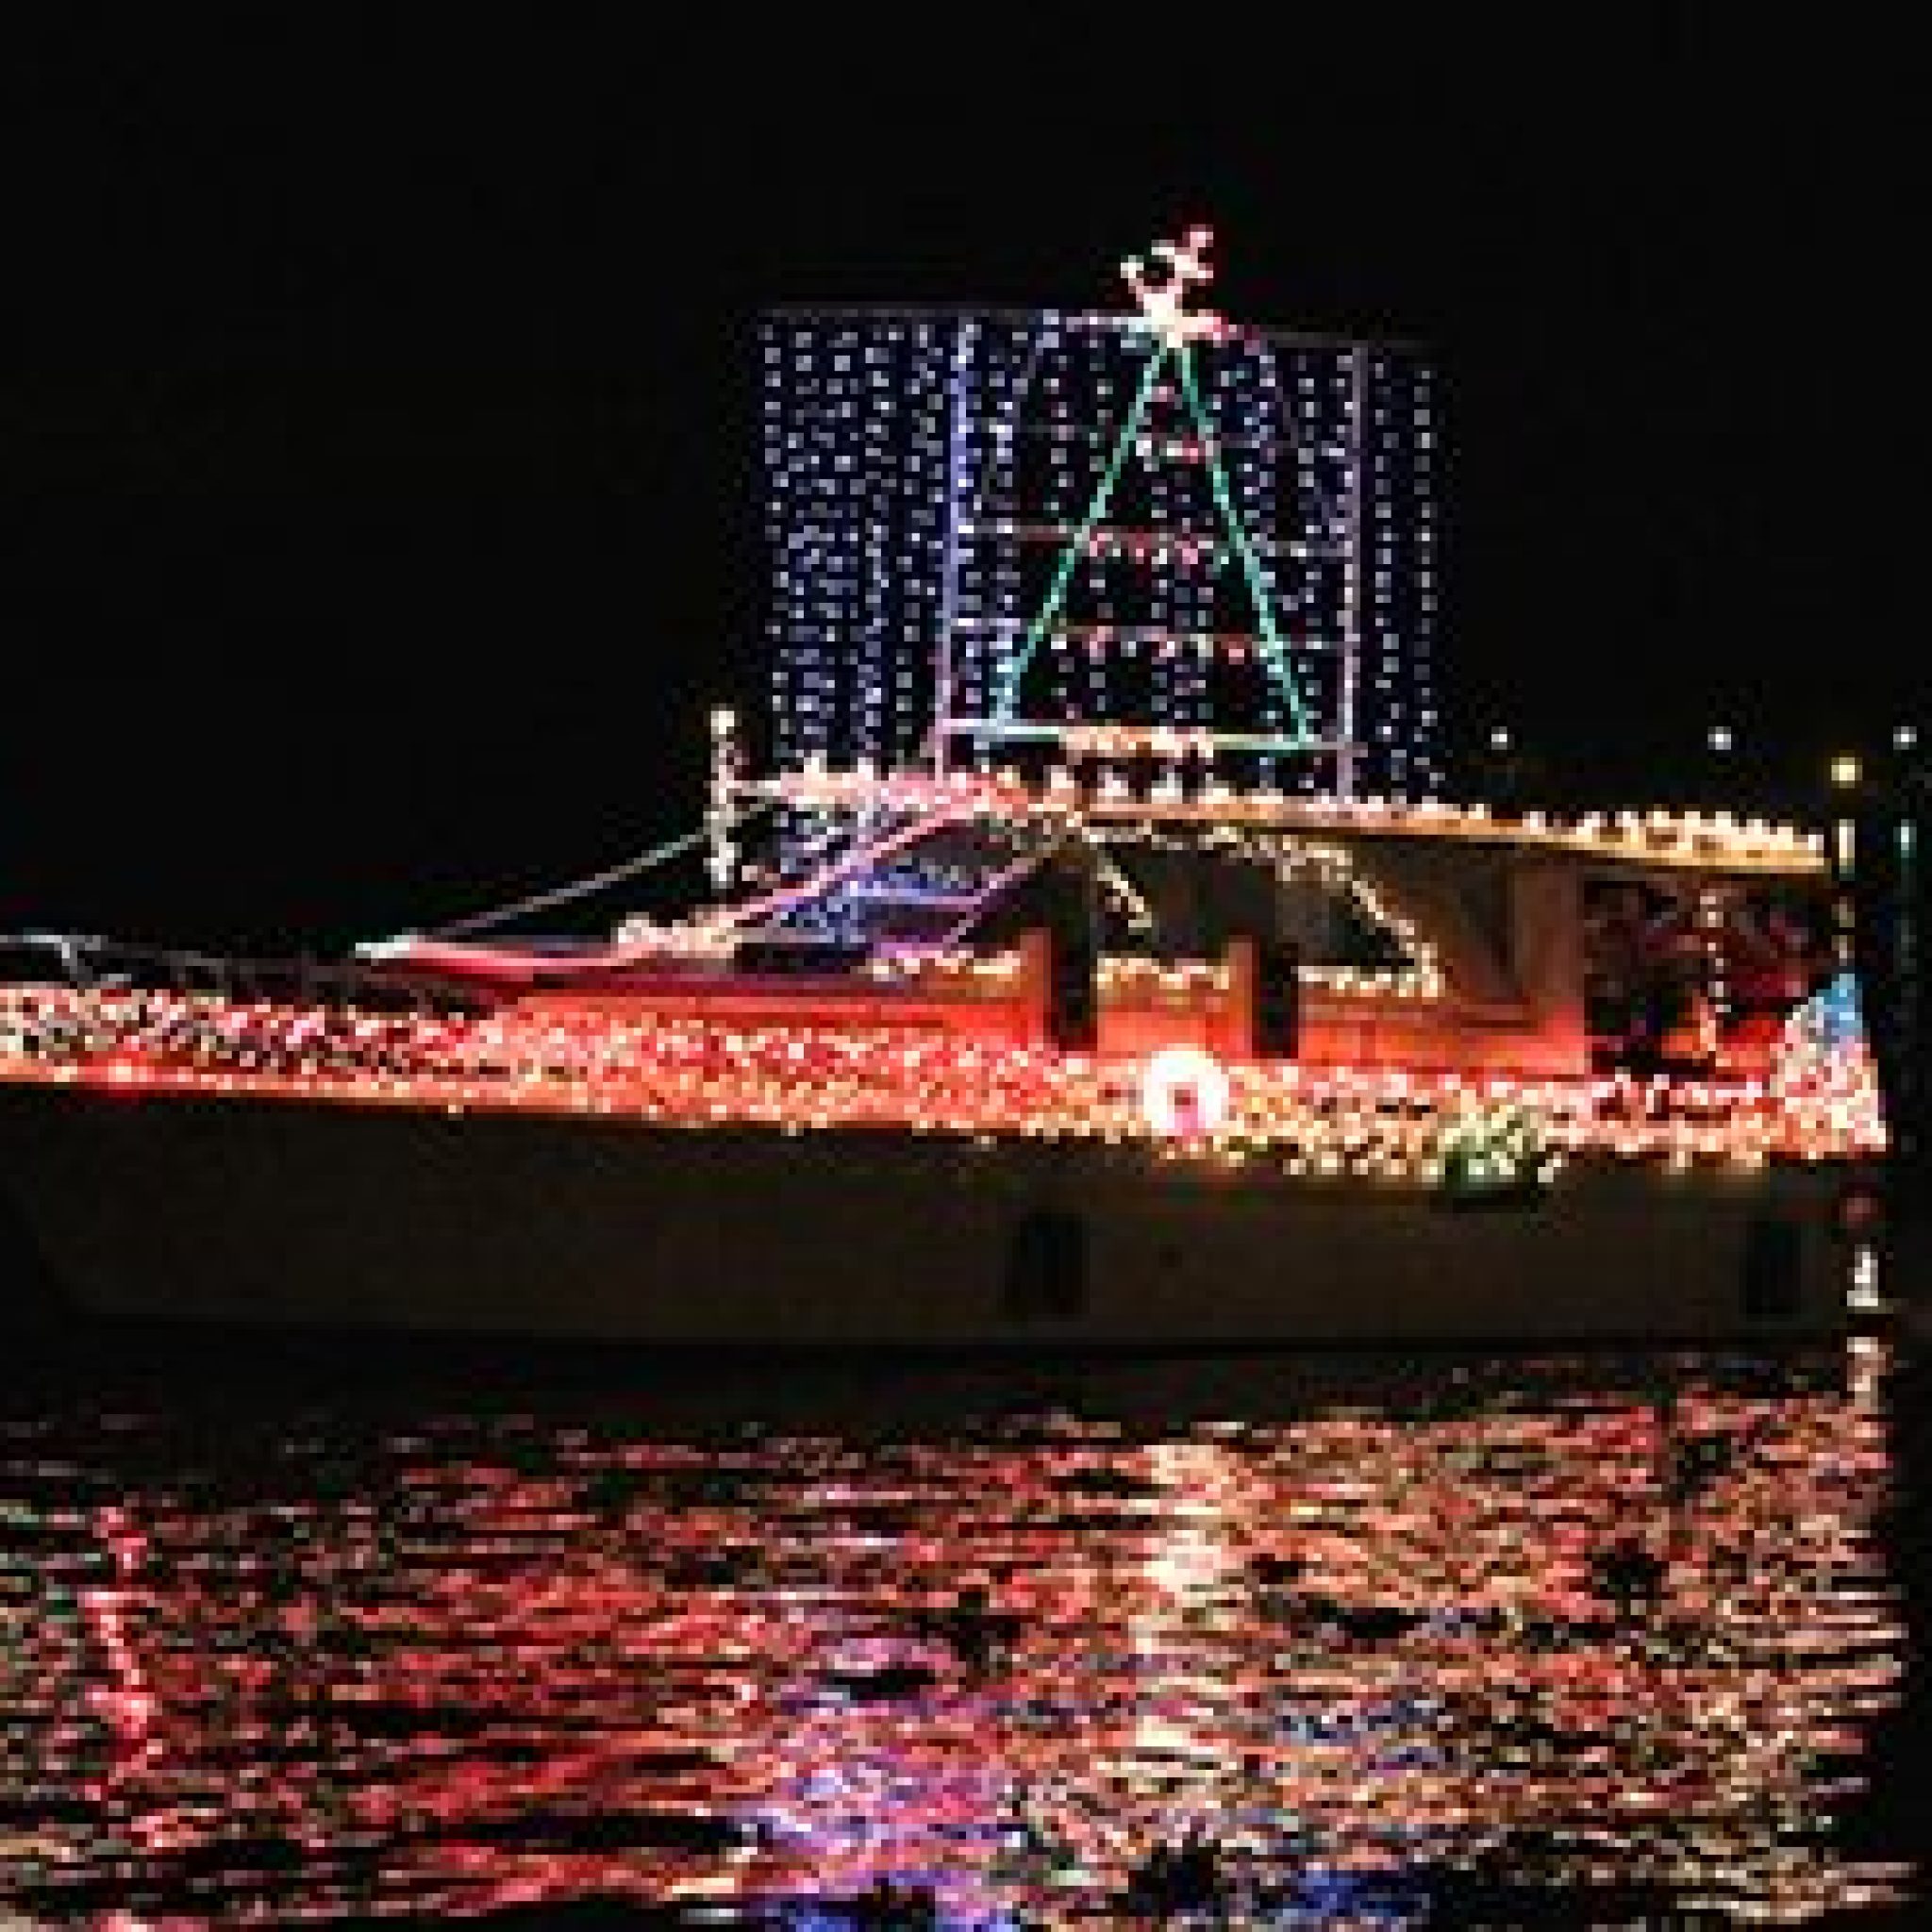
90, 963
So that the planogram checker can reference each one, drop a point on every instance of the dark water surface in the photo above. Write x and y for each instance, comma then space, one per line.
1591, 1642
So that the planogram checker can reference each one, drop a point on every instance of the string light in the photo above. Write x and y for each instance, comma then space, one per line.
1657, 837
721, 813
663, 1063
900, 515
923, 470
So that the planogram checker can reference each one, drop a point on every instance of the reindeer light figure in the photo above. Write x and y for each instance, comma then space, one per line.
1163, 295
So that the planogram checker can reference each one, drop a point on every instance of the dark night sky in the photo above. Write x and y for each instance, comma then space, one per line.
380, 467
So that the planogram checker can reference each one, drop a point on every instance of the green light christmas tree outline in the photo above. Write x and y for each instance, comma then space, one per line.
1175, 329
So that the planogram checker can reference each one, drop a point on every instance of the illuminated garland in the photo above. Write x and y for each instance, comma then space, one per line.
682, 1072
1289, 860
1495, 1149
1654, 837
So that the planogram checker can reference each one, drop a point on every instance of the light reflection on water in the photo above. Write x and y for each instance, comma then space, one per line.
1405, 1645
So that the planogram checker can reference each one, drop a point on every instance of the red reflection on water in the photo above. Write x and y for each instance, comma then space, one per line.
1608, 1637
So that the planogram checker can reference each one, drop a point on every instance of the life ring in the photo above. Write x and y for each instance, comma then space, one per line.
1184, 1092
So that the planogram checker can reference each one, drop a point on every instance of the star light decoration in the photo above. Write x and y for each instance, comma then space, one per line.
1163, 295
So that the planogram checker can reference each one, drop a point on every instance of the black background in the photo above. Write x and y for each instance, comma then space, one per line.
380, 463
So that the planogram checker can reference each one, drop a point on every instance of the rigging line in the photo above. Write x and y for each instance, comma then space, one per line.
560, 895
960, 932
1023, 384
1006, 433
1015, 665
816, 848
784, 897
1259, 589
1327, 508
1139, 913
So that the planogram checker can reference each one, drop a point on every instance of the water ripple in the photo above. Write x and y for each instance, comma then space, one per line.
1441, 1646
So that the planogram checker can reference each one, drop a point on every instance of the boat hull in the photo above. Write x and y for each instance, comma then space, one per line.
272, 1213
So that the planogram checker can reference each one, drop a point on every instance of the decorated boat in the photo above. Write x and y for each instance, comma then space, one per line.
1084, 1031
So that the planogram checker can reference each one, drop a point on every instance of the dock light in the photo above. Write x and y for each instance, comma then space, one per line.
1905, 737
1499, 737
1719, 738
1844, 770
